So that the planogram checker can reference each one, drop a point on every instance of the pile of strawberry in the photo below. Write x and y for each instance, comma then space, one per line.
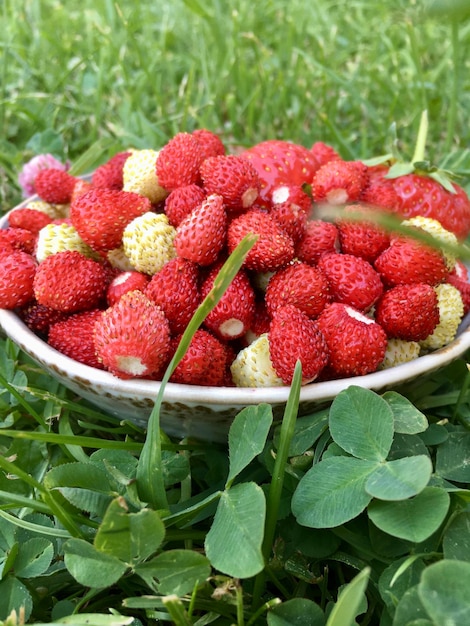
110, 270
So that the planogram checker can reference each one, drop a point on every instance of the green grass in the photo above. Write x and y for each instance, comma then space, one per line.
341, 72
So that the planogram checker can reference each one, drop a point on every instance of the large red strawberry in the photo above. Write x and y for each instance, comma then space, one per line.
132, 338
175, 289
232, 177
273, 249
74, 337
352, 280
201, 236
179, 161
204, 362
292, 337
101, 215
17, 272
69, 281
356, 343
279, 163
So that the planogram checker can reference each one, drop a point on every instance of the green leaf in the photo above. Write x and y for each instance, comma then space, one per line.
361, 422
130, 537
247, 437
400, 479
345, 610
89, 566
393, 587
78, 474
456, 540
34, 557
176, 571
233, 543
332, 492
407, 418
410, 609
443, 590
307, 430
453, 457
457, 10
96, 619
13, 596
296, 612
415, 519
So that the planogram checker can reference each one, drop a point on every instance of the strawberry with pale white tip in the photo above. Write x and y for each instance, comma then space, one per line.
139, 175
233, 178
252, 367
339, 182
290, 209
124, 282
17, 272
451, 310
132, 338
74, 337
292, 337
204, 362
400, 351
179, 161
148, 242
356, 343
55, 238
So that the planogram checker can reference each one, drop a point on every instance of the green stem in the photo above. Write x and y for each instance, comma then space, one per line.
452, 115
420, 146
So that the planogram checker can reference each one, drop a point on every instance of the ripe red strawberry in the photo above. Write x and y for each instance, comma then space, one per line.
204, 362
323, 153
17, 271
54, 185
320, 237
260, 322
352, 280
39, 318
101, 215
69, 281
200, 237
293, 194
211, 144
408, 312
339, 182
356, 342
17, 239
109, 175
458, 277
232, 177
408, 261
182, 201
302, 285
293, 336
28, 219
175, 289
280, 162
361, 238
273, 249
74, 337
379, 191
132, 338
81, 187
123, 282
179, 161
232, 316
290, 208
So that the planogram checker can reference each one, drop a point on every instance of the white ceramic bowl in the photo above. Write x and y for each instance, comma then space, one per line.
204, 412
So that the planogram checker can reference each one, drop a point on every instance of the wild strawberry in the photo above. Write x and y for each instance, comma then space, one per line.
74, 337
252, 367
280, 162
293, 194
81, 187
55, 238
352, 280
174, 288
201, 236
319, 237
408, 312
17, 271
132, 338
232, 177
54, 185
69, 281
293, 336
361, 237
182, 201
101, 215
148, 242
400, 351
356, 343
302, 285
339, 182
408, 261
139, 175
204, 362
29, 219
110, 174
441, 236
232, 316
451, 310
17, 239
379, 191
260, 322
124, 282
290, 209
273, 249
39, 318
54, 211
459, 278
210, 143
323, 153
179, 161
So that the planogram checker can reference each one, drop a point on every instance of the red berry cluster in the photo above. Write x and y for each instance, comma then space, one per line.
114, 281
